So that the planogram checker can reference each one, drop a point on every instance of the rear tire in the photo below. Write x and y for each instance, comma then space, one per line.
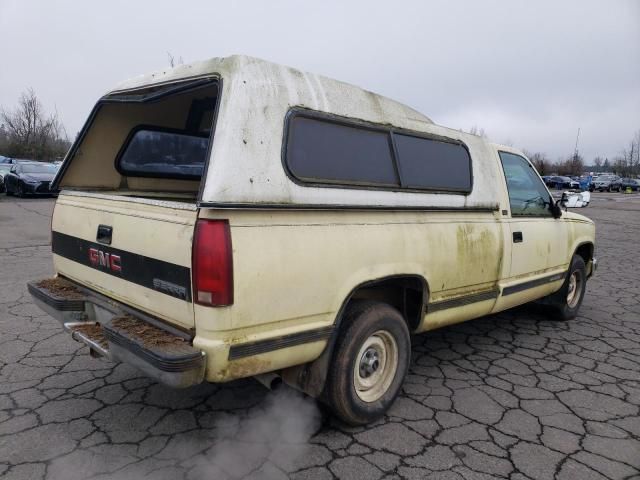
566, 301
370, 361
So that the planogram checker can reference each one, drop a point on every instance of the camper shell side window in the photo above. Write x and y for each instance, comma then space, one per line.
324, 150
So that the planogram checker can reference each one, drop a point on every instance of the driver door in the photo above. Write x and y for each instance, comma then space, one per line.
539, 241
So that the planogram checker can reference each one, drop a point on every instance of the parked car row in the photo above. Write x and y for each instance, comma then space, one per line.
559, 182
613, 183
26, 177
610, 183
601, 183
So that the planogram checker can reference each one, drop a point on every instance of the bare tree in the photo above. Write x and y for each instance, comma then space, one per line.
172, 60
627, 163
575, 164
540, 161
31, 133
4, 138
620, 166
630, 157
475, 130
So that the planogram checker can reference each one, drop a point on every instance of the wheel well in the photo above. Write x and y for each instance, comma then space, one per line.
585, 251
406, 293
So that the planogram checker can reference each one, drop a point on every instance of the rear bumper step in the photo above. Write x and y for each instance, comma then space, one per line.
116, 332
92, 335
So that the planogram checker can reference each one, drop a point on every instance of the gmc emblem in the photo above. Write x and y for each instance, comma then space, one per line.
100, 259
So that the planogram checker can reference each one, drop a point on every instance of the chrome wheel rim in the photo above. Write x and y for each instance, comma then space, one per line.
375, 366
574, 289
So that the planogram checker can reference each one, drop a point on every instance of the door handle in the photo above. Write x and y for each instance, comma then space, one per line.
517, 237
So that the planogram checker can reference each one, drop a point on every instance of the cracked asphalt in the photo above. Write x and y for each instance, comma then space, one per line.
514, 395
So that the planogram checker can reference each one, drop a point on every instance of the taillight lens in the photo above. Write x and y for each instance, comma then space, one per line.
212, 263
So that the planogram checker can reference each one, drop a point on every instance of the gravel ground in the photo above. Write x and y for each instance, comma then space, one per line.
513, 395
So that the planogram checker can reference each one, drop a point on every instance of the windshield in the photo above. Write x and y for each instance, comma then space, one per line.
38, 168
4, 168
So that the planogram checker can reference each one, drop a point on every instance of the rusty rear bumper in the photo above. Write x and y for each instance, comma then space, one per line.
119, 333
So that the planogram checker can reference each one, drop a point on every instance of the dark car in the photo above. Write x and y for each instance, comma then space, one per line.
561, 182
4, 169
631, 183
30, 178
607, 182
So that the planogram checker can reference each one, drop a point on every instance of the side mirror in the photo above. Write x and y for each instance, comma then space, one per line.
563, 200
556, 208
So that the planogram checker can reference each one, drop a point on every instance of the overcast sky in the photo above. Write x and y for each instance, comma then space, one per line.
528, 72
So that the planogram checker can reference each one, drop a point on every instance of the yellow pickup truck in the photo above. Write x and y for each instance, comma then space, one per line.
235, 218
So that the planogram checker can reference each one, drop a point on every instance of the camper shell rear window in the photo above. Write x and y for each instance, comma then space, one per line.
323, 150
155, 151
156, 138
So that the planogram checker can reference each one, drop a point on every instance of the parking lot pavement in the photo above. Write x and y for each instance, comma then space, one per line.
512, 395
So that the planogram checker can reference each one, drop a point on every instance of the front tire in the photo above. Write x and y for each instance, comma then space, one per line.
566, 301
370, 361
20, 190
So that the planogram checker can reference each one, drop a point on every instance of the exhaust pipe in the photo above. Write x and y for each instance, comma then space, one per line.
269, 380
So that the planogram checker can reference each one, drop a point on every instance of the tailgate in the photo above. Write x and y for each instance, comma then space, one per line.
137, 251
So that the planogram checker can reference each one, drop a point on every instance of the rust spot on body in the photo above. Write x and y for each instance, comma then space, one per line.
245, 367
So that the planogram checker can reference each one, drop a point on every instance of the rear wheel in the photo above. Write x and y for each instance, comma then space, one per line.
370, 361
568, 299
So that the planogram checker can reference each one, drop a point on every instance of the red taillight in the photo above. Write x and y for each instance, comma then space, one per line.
212, 263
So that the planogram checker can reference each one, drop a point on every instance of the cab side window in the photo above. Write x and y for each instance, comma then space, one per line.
527, 194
